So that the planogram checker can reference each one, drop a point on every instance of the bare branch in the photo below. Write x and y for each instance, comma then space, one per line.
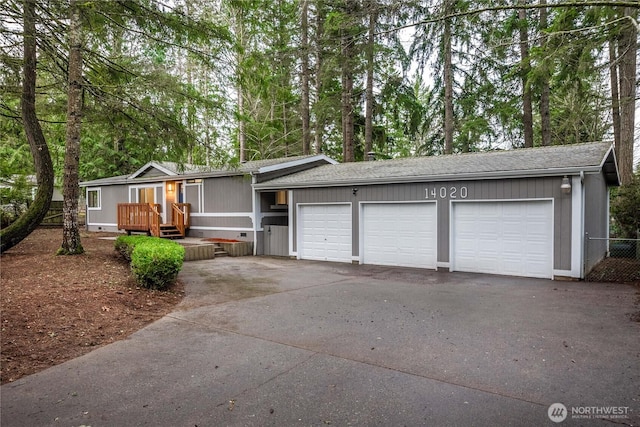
611, 3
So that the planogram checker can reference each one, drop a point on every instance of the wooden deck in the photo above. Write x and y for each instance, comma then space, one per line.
146, 218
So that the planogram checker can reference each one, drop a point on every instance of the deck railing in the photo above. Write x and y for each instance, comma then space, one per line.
139, 217
146, 217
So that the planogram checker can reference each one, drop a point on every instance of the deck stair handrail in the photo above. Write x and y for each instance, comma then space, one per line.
155, 219
181, 216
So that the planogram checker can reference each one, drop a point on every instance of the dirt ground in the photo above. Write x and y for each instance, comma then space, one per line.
619, 270
55, 308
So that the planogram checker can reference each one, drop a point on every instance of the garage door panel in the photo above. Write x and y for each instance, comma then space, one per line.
512, 238
325, 232
399, 234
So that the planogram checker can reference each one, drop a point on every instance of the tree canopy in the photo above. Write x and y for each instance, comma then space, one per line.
214, 82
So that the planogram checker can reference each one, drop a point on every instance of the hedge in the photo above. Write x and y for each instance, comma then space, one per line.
155, 262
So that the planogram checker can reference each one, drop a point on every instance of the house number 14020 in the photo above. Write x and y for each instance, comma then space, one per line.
444, 192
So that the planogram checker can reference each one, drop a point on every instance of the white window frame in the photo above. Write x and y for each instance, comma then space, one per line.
98, 190
199, 183
162, 202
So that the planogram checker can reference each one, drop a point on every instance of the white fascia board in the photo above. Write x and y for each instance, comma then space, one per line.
153, 165
298, 162
611, 151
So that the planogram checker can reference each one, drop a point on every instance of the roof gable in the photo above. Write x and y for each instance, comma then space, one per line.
153, 169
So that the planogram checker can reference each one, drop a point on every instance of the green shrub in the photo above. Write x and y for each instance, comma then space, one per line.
155, 263
124, 245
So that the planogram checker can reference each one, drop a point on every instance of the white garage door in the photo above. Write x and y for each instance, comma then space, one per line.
402, 234
325, 232
513, 238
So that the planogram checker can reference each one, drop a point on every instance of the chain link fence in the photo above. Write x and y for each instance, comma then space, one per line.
621, 262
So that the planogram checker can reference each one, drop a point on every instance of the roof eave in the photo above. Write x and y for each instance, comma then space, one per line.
298, 162
435, 178
609, 161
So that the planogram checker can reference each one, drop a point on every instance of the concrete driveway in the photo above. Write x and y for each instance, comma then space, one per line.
262, 341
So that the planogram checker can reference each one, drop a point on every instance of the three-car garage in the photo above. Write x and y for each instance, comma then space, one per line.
515, 212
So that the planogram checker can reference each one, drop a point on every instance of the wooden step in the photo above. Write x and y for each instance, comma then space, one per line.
169, 231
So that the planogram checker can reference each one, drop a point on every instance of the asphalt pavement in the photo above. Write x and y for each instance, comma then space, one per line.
276, 342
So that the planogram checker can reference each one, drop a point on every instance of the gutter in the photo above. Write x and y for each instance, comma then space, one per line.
432, 178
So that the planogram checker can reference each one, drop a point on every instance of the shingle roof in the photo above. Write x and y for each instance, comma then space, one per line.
560, 159
250, 166
176, 170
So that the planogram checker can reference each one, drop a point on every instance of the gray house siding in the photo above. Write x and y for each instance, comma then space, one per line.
106, 218
222, 222
596, 219
152, 173
227, 194
447, 193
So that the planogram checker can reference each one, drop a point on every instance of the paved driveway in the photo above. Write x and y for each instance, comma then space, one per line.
262, 341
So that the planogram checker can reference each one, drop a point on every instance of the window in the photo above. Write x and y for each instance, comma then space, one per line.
193, 195
146, 195
94, 199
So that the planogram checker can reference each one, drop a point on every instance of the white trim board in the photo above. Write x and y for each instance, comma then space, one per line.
222, 214
202, 227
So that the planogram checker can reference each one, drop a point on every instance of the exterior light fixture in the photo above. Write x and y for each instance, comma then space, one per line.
355, 191
566, 185
170, 186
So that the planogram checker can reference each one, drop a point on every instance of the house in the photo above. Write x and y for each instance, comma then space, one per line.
524, 212
165, 198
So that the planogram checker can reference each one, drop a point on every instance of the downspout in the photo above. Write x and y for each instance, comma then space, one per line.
254, 216
582, 233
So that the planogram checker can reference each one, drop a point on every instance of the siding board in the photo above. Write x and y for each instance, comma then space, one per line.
227, 194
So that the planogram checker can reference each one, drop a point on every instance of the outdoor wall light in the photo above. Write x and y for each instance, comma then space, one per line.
170, 186
355, 191
566, 185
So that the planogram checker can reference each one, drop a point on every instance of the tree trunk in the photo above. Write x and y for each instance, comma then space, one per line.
448, 83
368, 115
615, 94
525, 68
347, 115
188, 64
304, 78
239, 33
70, 232
29, 221
348, 153
627, 50
319, 116
545, 92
